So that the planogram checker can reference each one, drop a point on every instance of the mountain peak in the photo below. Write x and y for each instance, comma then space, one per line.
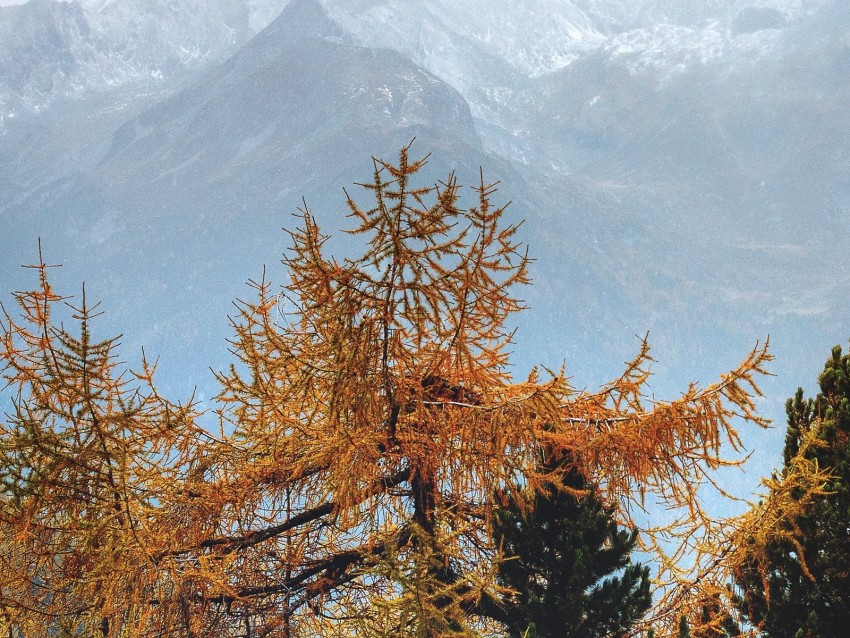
307, 19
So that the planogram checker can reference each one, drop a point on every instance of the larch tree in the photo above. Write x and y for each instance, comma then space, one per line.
88, 460
365, 426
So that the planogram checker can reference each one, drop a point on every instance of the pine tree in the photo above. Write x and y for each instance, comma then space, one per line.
800, 586
566, 562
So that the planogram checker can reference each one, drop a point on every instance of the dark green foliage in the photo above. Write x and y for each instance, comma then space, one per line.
684, 628
568, 563
715, 621
799, 606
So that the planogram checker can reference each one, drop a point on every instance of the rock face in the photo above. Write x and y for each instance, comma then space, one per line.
755, 19
50, 49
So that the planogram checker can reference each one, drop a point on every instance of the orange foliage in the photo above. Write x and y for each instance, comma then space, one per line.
366, 425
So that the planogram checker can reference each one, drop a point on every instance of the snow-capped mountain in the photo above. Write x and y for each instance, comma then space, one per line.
490, 50
51, 50
439, 34
484, 48
538, 37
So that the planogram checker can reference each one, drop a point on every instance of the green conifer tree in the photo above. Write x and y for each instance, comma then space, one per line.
808, 576
567, 563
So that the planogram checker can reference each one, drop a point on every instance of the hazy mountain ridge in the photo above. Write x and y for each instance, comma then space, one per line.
498, 54
593, 95
542, 36
682, 166
484, 49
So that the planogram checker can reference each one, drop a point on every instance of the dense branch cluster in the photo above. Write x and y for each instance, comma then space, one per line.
366, 426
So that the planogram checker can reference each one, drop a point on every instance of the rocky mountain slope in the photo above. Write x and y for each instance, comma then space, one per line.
50, 50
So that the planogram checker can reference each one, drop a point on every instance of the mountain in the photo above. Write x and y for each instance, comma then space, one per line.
682, 166
484, 49
175, 204
732, 145
51, 50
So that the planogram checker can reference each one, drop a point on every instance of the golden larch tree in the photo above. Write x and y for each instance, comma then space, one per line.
365, 427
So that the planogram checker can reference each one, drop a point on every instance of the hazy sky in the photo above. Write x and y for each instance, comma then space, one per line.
4, 3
